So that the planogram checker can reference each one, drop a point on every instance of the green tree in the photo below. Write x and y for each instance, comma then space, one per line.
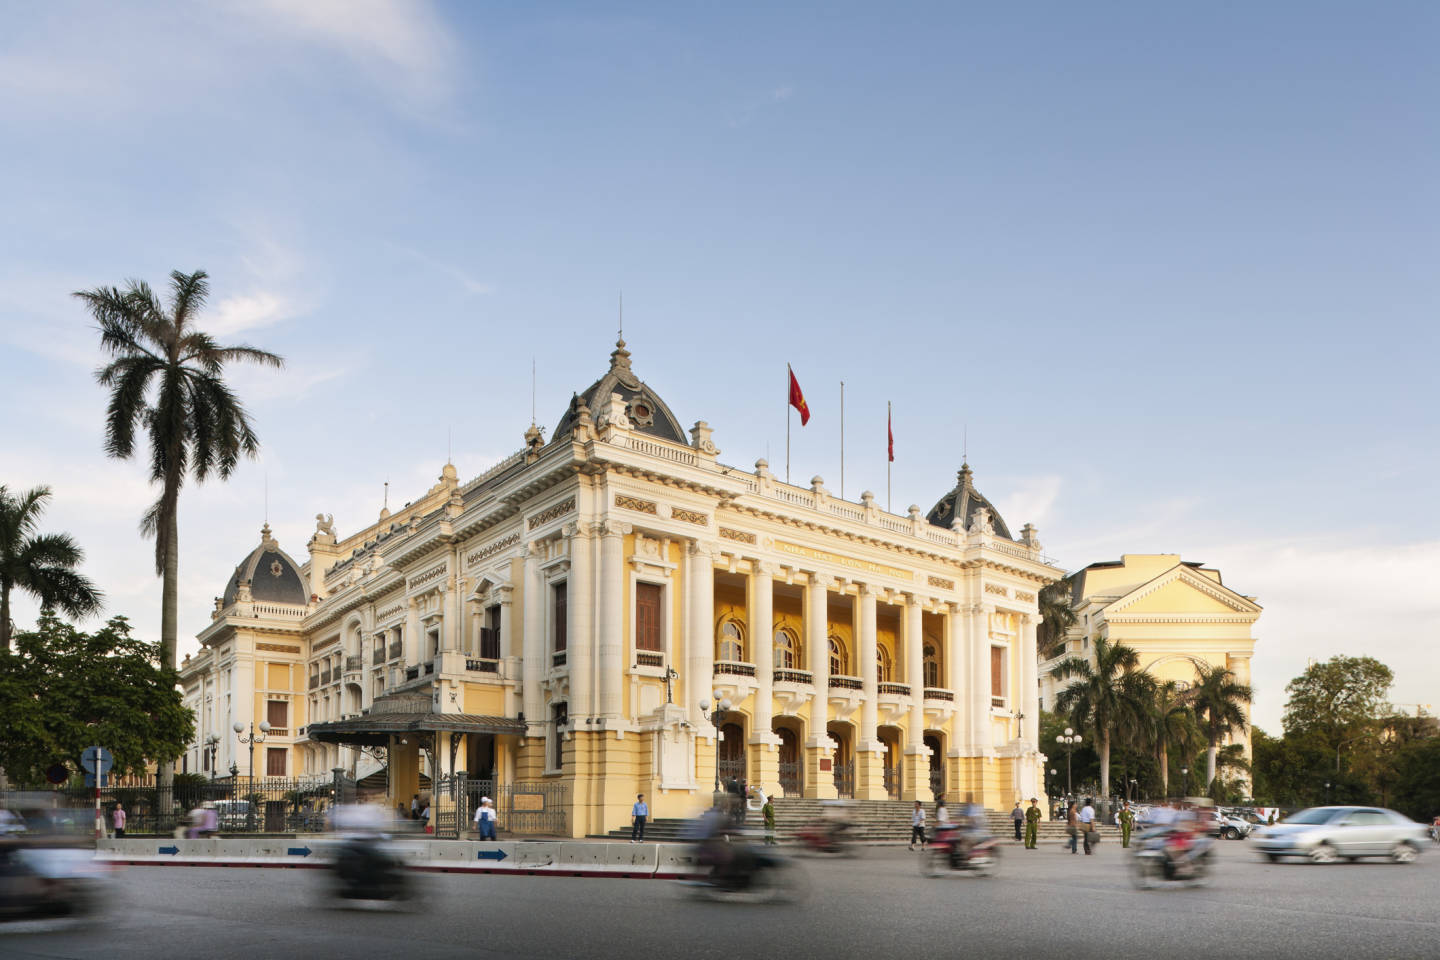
41, 564
1105, 697
1219, 701
1057, 616
1342, 701
1171, 722
165, 377
63, 690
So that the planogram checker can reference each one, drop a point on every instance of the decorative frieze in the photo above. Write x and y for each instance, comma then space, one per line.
429, 576
996, 589
389, 612
690, 516
739, 536
1024, 597
277, 647
854, 563
545, 516
489, 550
942, 583
636, 504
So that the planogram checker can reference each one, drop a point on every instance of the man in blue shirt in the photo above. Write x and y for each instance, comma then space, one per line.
638, 813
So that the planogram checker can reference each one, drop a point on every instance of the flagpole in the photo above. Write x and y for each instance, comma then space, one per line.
843, 439
887, 458
788, 376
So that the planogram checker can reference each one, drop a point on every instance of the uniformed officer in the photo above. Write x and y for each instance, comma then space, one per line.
1127, 821
1032, 826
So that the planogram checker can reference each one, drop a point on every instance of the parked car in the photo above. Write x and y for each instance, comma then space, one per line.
232, 814
1327, 834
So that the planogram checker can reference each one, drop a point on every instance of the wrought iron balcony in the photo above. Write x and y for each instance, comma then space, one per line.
842, 682
894, 689
325, 675
792, 676
734, 668
378, 657
935, 693
396, 649
558, 659
482, 666
353, 662
314, 680
648, 658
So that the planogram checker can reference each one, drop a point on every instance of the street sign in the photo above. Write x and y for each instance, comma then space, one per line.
97, 760
57, 773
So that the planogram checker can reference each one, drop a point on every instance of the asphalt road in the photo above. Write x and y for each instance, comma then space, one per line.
1043, 903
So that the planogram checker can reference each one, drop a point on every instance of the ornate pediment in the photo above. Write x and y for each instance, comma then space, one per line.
1181, 592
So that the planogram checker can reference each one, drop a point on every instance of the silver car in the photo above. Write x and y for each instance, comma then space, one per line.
1327, 834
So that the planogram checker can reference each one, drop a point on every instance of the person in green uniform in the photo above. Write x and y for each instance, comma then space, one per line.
1127, 822
1032, 826
768, 811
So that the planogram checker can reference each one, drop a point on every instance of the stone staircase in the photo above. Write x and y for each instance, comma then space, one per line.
873, 821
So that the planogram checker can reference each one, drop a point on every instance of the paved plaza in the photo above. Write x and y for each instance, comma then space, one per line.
1046, 903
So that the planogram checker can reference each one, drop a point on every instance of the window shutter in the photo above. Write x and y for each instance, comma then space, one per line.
560, 616
275, 762
647, 616
997, 675
277, 712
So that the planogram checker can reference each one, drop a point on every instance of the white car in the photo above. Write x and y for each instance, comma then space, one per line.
1327, 834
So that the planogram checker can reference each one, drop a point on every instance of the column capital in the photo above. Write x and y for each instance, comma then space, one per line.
818, 579
763, 568
613, 528
912, 599
865, 589
701, 548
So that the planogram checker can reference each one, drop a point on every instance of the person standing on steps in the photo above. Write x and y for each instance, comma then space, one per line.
638, 815
768, 812
1017, 816
1032, 826
1127, 823
917, 825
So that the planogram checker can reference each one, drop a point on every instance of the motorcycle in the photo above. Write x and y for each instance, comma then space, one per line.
742, 872
947, 853
824, 839
368, 868
1167, 857
44, 880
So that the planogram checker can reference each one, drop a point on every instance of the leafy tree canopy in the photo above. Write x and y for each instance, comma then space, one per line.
1335, 698
62, 690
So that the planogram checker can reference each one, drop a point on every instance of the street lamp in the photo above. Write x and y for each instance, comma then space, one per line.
1053, 774
1327, 793
1069, 740
253, 739
212, 744
1185, 772
722, 707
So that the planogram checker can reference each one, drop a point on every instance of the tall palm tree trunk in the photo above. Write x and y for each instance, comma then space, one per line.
169, 616
1105, 763
1162, 760
5, 617
1210, 753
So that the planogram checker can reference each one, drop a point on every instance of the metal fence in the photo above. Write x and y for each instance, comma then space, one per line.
526, 809
264, 805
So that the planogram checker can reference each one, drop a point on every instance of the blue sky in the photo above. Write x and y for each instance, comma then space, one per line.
1172, 270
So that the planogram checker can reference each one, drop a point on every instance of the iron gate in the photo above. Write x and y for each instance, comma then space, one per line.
525, 808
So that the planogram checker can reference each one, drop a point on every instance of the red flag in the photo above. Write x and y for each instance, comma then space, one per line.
890, 433
797, 399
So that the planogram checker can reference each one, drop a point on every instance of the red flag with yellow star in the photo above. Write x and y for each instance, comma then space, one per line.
797, 398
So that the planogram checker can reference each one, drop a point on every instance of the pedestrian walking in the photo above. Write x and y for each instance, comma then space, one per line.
768, 812
1127, 823
117, 818
1032, 825
1087, 825
942, 815
1017, 817
485, 819
415, 807
638, 813
917, 825
1072, 826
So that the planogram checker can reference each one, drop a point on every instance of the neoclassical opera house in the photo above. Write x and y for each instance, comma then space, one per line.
561, 624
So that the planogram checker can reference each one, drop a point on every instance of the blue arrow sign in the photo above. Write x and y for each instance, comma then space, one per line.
298, 852
490, 855
170, 850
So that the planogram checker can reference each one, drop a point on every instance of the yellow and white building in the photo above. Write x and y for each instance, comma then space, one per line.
1177, 615
570, 615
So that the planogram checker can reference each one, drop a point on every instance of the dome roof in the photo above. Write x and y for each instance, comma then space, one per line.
962, 502
270, 574
647, 412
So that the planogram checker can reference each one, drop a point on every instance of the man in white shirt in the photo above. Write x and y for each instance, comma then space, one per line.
1087, 824
638, 815
485, 819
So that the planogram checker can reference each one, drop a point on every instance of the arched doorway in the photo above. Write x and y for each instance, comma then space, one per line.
936, 742
790, 765
731, 752
844, 759
890, 736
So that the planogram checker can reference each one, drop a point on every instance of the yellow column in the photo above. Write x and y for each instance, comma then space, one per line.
764, 744
870, 751
819, 748
915, 783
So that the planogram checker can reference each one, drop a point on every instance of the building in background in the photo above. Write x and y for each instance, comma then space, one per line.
562, 625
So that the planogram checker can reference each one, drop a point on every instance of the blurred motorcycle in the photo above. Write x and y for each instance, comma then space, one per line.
42, 880
951, 851
823, 838
1170, 857
365, 864
736, 870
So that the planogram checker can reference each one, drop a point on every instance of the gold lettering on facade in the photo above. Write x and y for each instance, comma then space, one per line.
853, 563
527, 801
739, 536
635, 503
942, 583
559, 510
277, 647
689, 516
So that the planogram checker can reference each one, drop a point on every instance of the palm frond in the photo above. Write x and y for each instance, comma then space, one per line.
188, 293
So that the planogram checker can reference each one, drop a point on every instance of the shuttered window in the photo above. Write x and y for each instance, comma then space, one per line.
275, 762
997, 671
558, 615
647, 616
278, 713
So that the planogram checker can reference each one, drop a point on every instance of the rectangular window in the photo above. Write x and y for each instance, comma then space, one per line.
647, 617
278, 713
490, 635
433, 637
560, 713
275, 761
997, 675
558, 615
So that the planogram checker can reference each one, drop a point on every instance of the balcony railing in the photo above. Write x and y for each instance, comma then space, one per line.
558, 659
735, 668
314, 680
792, 676
396, 649
353, 662
894, 689
649, 658
412, 673
935, 693
325, 675
378, 657
842, 682
482, 666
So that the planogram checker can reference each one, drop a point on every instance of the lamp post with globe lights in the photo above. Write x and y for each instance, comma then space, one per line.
1185, 772
722, 707
212, 746
1069, 740
251, 740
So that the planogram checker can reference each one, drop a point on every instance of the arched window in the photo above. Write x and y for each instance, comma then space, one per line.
932, 667
787, 651
730, 643
882, 665
838, 661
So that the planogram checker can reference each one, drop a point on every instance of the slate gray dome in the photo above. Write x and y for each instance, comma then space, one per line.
647, 412
962, 502
273, 577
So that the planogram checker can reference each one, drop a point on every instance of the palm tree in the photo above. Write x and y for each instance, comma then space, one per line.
41, 564
1056, 616
1171, 721
165, 377
1219, 701
1107, 696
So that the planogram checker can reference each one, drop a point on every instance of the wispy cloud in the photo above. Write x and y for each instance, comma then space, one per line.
467, 282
